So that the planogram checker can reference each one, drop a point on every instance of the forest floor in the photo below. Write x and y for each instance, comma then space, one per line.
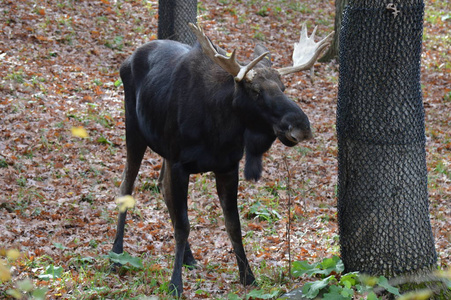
59, 62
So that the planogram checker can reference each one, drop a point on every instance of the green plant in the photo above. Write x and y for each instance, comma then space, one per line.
21, 181
118, 83
264, 11
151, 185
262, 294
93, 243
16, 76
299, 7
3, 163
51, 272
26, 288
262, 212
442, 169
104, 140
116, 44
447, 97
324, 267
21, 288
332, 284
125, 260
274, 187
257, 32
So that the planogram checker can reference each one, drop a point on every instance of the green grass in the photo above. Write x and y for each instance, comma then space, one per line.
89, 277
3, 163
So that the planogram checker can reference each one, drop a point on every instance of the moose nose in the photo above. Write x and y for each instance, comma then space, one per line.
293, 137
297, 135
308, 134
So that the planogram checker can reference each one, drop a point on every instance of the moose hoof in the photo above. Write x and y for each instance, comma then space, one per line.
191, 266
249, 280
175, 290
190, 263
115, 267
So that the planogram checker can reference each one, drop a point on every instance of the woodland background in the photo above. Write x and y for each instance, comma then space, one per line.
59, 62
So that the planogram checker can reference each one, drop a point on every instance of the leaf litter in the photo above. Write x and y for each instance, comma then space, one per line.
59, 72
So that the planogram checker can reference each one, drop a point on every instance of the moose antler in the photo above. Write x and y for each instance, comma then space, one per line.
229, 64
306, 52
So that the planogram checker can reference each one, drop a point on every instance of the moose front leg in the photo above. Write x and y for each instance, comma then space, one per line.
227, 187
175, 192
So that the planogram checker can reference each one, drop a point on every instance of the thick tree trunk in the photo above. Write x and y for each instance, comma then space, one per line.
332, 51
174, 16
383, 208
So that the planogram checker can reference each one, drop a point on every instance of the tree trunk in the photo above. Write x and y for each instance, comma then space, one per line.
383, 208
174, 16
332, 52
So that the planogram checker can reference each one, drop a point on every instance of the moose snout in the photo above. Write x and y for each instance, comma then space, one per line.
297, 135
293, 128
293, 135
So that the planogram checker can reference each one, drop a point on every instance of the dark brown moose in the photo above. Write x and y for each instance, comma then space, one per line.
201, 110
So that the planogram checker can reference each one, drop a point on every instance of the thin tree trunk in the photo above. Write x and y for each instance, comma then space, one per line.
332, 52
382, 183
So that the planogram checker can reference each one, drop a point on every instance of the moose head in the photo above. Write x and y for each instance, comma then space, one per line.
259, 89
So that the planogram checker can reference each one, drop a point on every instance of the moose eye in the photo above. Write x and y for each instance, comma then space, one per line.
256, 91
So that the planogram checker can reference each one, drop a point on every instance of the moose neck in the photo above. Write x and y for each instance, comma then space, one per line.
258, 135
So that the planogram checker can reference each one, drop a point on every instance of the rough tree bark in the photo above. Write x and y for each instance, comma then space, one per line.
332, 52
383, 208
174, 16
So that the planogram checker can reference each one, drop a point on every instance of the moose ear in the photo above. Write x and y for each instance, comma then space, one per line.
259, 50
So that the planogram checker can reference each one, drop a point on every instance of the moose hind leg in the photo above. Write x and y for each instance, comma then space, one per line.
188, 259
135, 153
227, 186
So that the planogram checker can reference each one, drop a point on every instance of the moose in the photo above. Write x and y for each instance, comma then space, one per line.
202, 110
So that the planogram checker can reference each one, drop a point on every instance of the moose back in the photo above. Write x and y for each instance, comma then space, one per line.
201, 111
